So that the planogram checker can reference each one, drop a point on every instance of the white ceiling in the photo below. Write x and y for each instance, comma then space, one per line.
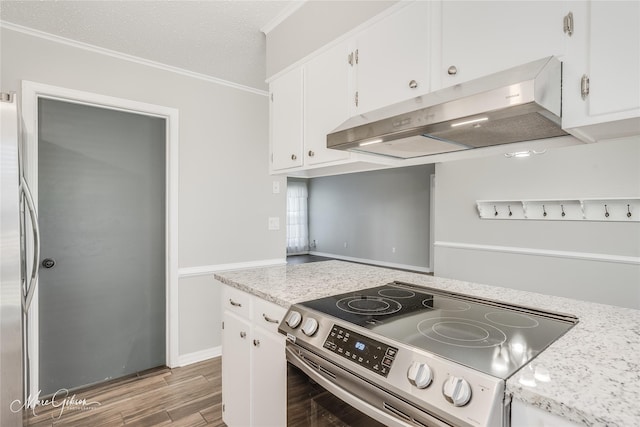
220, 39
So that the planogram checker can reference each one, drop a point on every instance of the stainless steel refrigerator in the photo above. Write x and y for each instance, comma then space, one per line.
19, 252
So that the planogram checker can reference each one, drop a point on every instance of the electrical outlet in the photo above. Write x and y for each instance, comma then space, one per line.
276, 187
274, 223
393, 250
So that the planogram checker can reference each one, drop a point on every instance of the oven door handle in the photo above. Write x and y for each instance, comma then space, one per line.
347, 397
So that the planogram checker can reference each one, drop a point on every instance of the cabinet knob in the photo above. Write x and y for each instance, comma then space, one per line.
311, 153
293, 157
452, 71
413, 84
256, 343
243, 334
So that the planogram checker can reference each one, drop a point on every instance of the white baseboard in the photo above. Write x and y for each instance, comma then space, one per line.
542, 252
204, 270
199, 356
374, 262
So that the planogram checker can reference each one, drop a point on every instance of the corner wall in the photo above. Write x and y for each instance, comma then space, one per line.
589, 260
314, 25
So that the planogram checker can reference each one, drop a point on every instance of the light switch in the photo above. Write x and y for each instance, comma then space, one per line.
276, 187
274, 223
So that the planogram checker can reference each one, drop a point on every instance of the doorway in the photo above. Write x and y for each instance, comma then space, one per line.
106, 181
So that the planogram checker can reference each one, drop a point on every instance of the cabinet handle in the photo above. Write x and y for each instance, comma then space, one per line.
452, 71
311, 153
235, 304
243, 334
413, 84
293, 157
568, 24
268, 319
584, 86
256, 343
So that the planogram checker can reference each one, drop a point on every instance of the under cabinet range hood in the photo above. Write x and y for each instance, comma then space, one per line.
519, 104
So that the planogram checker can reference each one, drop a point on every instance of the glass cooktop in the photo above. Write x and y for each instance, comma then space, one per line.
494, 338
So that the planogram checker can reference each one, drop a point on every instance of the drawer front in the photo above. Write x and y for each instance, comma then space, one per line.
236, 301
267, 315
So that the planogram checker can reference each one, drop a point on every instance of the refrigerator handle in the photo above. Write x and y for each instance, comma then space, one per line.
24, 188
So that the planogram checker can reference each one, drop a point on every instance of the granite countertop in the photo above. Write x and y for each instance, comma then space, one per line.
593, 370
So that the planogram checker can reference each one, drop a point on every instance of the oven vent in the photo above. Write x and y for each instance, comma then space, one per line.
326, 372
310, 362
436, 420
395, 411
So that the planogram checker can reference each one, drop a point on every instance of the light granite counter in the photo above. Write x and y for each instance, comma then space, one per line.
593, 370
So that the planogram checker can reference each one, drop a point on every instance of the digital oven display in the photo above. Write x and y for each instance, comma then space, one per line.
366, 352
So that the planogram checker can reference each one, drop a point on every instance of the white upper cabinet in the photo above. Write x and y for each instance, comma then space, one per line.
326, 105
286, 120
484, 37
391, 59
601, 83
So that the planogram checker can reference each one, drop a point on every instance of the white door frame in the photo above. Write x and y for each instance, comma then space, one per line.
31, 93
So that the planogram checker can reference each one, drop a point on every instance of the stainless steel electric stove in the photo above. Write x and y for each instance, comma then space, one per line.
407, 355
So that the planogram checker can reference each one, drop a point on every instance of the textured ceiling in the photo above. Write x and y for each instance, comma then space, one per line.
221, 39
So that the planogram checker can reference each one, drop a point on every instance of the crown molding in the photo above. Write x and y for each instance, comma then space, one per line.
127, 57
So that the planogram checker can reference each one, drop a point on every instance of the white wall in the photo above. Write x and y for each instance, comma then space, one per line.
225, 193
605, 169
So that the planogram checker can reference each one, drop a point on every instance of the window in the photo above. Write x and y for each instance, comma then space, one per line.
297, 218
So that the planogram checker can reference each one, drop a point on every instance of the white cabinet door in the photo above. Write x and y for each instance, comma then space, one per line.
605, 48
614, 57
236, 384
484, 37
326, 94
269, 377
523, 415
390, 55
286, 120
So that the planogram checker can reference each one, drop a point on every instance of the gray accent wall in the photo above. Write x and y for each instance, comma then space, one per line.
314, 25
576, 259
373, 212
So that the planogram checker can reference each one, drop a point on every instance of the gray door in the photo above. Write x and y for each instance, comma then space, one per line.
101, 201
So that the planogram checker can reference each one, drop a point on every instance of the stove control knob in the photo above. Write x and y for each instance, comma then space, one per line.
419, 374
293, 319
310, 326
457, 391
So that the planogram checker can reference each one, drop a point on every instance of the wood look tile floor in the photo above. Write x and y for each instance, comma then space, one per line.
190, 396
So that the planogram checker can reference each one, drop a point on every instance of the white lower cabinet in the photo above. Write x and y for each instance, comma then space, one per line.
523, 415
254, 368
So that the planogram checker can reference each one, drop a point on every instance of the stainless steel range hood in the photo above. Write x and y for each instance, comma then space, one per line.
519, 104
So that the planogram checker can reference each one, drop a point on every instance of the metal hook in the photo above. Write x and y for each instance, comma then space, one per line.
544, 211
495, 210
628, 211
510, 213
563, 213
606, 211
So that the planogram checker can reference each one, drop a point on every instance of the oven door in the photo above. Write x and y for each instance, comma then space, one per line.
320, 393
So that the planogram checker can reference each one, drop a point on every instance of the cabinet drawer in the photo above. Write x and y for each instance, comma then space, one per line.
236, 301
267, 315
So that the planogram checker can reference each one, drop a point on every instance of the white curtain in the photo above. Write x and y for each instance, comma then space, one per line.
297, 220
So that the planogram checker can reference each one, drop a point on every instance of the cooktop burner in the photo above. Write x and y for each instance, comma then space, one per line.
463, 329
371, 305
